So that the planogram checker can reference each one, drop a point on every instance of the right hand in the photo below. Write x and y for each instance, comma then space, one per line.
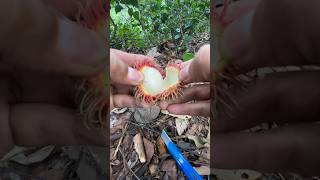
196, 70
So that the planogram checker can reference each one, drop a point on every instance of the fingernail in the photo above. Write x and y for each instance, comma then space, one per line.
134, 75
184, 73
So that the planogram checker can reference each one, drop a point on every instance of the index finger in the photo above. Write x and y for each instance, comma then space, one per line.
129, 58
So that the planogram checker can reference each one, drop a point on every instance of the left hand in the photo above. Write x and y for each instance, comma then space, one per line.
124, 78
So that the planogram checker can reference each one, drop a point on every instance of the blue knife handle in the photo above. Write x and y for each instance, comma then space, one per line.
182, 162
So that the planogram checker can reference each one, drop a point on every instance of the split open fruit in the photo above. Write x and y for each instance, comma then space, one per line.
92, 94
158, 84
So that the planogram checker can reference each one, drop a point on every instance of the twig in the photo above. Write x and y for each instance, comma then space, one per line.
122, 136
144, 127
124, 160
281, 176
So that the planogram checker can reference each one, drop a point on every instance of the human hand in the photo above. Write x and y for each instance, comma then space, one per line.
40, 50
123, 78
271, 33
193, 71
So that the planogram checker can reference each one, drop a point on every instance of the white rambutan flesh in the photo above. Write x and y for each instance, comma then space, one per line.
157, 85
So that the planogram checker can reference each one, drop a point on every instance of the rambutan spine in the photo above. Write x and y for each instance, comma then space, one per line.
158, 85
93, 91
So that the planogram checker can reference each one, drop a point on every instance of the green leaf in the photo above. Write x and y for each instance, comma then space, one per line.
136, 15
187, 56
187, 38
118, 8
130, 2
130, 12
177, 36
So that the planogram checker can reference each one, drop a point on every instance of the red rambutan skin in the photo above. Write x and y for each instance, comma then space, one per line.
140, 93
140, 64
170, 93
95, 100
92, 15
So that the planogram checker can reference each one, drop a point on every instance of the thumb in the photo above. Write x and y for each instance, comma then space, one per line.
122, 73
198, 69
37, 38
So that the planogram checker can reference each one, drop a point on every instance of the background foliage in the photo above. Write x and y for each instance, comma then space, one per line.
148, 23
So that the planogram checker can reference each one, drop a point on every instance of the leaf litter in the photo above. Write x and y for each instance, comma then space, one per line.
144, 154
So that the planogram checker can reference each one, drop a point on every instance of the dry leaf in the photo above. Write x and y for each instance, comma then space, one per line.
118, 124
149, 148
181, 125
153, 52
200, 142
15, 151
99, 154
146, 115
161, 147
204, 155
86, 171
133, 160
35, 157
152, 168
119, 110
203, 170
175, 115
127, 142
170, 175
236, 174
138, 145
169, 165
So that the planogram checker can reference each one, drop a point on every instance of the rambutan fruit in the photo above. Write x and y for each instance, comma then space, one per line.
158, 84
225, 73
93, 91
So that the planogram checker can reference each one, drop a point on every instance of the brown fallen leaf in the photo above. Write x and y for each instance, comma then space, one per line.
127, 142
34, 157
15, 151
152, 168
119, 110
118, 124
199, 142
161, 147
175, 115
146, 115
149, 148
203, 170
181, 125
170, 175
195, 129
133, 160
169, 165
205, 155
138, 145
